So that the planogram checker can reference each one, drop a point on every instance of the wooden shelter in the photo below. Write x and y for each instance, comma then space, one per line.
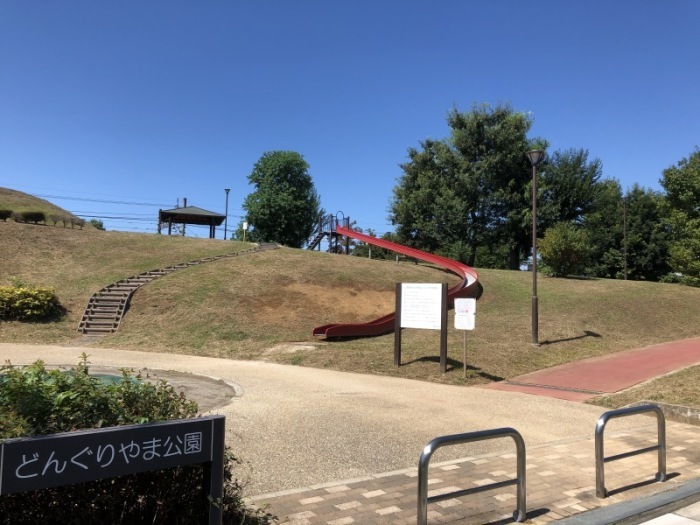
190, 215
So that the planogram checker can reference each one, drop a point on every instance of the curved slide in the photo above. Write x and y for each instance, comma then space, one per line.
385, 324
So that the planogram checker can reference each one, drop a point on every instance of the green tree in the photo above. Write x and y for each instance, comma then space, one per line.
682, 185
98, 224
603, 224
647, 235
568, 185
284, 206
564, 249
363, 249
469, 191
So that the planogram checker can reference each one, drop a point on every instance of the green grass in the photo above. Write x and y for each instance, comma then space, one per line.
17, 202
249, 307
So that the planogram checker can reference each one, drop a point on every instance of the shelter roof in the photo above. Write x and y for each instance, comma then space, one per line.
192, 215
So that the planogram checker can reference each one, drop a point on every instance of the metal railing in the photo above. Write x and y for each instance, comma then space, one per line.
600, 458
457, 439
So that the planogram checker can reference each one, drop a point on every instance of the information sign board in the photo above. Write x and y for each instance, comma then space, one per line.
421, 305
465, 314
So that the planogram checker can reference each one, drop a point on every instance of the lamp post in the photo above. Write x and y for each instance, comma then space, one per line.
226, 217
535, 157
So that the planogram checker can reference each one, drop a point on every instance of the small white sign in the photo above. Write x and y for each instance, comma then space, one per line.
421, 305
465, 314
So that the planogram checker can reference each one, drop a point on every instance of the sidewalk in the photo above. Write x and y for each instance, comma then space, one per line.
588, 378
560, 484
560, 475
301, 430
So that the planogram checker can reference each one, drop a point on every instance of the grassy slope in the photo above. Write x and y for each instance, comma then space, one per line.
19, 202
244, 307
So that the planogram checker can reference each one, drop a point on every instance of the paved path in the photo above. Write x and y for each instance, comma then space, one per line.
334, 448
581, 380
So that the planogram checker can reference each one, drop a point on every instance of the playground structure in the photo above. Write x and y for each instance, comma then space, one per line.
468, 286
327, 228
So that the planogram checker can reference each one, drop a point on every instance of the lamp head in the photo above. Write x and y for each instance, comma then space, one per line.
535, 156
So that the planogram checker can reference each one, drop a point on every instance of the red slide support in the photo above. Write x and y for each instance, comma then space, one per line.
385, 324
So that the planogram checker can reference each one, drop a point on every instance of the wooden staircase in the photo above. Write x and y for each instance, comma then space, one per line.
106, 308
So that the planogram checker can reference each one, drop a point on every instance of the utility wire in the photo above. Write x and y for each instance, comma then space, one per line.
99, 200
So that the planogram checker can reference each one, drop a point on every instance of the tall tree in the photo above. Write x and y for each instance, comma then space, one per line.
682, 185
568, 186
647, 235
284, 206
469, 191
604, 225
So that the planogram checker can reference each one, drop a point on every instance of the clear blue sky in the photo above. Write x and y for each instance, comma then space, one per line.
148, 102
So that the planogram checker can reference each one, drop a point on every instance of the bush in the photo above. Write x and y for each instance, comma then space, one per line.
74, 221
36, 401
32, 216
5, 214
21, 302
564, 249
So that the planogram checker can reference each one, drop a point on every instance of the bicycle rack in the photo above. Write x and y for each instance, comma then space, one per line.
600, 458
457, 439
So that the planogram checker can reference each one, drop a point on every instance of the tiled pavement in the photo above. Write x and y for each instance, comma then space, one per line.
560, 483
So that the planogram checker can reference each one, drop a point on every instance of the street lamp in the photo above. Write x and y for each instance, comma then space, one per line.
226, 217
535, 157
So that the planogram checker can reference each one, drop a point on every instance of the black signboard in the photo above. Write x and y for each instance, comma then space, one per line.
88, 455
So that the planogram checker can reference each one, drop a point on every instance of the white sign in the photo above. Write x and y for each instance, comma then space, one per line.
421, 305
465, 314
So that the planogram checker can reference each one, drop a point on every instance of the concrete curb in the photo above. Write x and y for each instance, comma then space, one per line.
641, 509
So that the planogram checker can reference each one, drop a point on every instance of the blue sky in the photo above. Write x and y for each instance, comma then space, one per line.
149, 102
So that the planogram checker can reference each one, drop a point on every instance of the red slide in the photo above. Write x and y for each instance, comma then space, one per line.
385, 324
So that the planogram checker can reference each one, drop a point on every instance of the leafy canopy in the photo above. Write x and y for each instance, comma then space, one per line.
284, 206
682, 185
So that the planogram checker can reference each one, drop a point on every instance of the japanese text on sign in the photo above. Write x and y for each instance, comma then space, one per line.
73, 457
421, 305
465, 314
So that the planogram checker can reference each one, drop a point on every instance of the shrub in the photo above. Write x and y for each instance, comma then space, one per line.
564, 249
33, 216
55, 219
74, 221
36, 401
96, 223
5, 214
21, 302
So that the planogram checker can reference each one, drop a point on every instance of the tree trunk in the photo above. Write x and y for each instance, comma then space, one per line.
514, 258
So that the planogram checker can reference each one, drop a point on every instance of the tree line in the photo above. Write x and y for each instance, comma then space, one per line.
469, 197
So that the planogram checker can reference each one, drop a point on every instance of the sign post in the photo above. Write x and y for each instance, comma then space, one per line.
465, 319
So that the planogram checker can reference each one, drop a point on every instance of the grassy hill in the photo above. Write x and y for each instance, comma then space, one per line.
18, 201
264, 306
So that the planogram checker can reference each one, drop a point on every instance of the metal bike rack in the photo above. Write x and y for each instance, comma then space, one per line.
457, 439
600, 458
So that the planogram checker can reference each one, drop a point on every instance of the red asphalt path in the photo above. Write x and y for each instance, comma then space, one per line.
581, 380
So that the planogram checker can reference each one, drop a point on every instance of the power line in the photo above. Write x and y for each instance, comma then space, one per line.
99, 200
116, 218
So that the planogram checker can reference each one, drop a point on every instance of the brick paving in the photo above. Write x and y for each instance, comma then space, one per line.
560, 482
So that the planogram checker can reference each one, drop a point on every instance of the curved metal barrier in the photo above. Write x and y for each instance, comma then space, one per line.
600, 458
457, 439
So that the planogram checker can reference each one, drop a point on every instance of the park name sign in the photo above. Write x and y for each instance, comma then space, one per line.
55, 460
